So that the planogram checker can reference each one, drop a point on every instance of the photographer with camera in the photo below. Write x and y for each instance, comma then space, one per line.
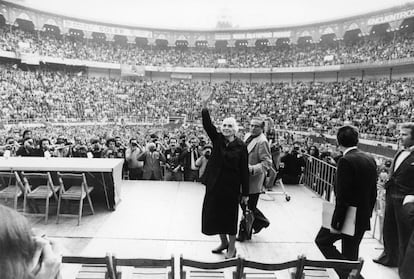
292, 165
96, 148
27, 149
79, 149
10, 147
173, 164
152, 159
135, 167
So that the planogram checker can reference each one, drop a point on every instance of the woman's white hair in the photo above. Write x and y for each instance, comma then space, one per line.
233, 122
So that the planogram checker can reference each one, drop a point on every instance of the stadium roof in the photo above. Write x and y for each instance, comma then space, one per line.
204, 14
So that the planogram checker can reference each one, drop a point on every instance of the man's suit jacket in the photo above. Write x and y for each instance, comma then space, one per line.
401, 180
356, 185
260, 160
152, 164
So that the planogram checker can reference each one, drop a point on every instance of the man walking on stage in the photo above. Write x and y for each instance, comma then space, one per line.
356, 185
260, 160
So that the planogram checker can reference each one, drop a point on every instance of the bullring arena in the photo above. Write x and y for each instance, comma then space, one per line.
78, 85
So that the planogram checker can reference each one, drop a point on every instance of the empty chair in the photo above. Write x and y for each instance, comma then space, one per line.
231, 268
144, 268
252, 269
39, 186
11, 187
312, 267
87, 267
73, 187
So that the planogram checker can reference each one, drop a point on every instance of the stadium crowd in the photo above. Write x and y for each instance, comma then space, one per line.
45, 96
367, 49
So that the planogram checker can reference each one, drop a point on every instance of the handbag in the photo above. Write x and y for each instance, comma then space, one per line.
246, 225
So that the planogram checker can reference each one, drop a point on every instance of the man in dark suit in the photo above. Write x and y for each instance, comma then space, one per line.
399, 190
356, 185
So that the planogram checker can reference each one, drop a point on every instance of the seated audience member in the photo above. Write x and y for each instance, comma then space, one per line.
23, 255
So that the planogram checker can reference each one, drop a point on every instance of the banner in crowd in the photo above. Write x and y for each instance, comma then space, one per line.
132, 70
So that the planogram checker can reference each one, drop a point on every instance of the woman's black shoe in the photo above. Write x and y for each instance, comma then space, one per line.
219, 249
227, 256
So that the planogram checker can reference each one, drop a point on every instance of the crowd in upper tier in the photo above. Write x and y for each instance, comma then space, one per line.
367, 49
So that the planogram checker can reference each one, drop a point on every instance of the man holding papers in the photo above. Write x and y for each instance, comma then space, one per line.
356, 186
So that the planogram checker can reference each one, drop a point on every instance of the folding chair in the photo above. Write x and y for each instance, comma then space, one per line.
88, 267
227, 269
10, 190
44, 191
316, 269
144, 268
272, 270
73, 186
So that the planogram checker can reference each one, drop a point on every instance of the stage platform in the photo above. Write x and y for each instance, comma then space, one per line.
158, 219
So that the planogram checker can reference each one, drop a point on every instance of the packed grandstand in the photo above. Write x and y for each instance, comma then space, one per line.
51, 73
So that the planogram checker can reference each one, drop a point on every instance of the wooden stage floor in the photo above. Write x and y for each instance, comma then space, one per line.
157, 219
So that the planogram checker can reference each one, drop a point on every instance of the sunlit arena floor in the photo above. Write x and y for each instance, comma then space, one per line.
160, 219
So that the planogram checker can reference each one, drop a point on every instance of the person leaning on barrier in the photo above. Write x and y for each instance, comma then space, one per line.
23, 255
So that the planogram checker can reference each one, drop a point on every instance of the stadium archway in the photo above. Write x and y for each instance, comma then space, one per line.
51, 30
201, 44
141, 42
161, 43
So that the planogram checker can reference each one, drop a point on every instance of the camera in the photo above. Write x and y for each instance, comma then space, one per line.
134, 144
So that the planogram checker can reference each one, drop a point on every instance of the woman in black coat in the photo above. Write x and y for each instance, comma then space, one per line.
226, 178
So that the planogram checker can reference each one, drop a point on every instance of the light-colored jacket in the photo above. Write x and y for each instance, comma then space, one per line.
260, 160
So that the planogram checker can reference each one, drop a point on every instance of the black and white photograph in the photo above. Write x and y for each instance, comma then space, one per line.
226, 139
